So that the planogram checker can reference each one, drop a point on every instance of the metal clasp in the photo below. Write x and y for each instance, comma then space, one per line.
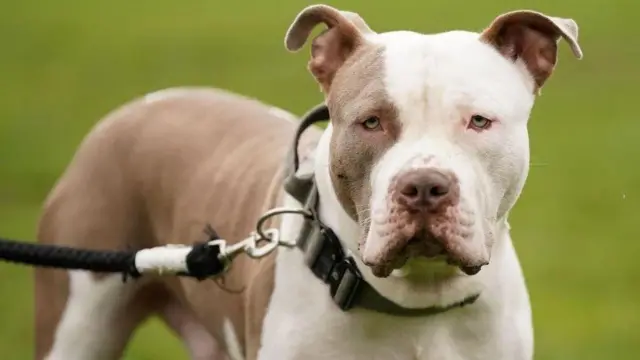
251, 245
280, 211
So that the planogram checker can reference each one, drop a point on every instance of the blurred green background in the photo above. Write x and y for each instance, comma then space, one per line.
65, 63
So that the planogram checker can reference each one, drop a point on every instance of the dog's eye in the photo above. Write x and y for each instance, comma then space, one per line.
372, 123
479, 122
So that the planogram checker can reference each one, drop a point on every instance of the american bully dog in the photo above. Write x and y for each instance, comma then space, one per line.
411, 185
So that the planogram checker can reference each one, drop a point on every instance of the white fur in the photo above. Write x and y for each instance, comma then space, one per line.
83, 331
436, 81
234, 349
89, 328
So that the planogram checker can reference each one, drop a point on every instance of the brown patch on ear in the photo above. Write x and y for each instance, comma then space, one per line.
328, 53
532, 37
329, 50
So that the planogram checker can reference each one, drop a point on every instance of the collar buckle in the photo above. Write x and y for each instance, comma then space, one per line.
333, 267
345, 282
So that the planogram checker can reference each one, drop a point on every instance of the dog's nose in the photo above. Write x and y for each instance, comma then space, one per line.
424, 189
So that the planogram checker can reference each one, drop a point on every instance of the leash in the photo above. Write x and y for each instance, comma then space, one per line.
323, 252
203, 260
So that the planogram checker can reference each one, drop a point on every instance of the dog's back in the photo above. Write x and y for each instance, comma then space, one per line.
156, 171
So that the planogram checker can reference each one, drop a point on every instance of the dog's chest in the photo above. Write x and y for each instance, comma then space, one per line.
329, 334
398, 339
304, 323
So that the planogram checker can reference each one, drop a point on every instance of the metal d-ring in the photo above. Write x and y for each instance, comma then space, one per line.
263, 234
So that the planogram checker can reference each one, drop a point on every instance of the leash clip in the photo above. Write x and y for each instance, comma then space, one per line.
249, 246
252, 245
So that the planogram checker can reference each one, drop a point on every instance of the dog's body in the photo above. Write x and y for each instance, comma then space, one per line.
415, 183
154, 172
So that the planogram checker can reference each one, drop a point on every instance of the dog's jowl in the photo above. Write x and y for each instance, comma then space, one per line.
425, 154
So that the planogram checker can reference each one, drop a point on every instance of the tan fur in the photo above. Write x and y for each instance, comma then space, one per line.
351, 78
156, 172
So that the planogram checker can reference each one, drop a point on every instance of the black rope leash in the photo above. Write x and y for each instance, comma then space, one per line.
202, 260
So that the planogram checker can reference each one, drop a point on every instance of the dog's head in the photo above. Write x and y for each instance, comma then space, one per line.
429, 146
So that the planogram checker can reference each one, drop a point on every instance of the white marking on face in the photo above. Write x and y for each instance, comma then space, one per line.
437, 82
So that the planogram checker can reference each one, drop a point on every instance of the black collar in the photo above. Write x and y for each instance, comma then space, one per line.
323, 252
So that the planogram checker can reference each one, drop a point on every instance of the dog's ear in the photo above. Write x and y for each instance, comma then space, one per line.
331, 48
533, 38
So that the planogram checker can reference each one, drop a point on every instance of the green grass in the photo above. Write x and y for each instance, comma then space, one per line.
65, 63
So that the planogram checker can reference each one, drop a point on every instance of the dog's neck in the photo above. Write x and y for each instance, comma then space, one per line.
424, 284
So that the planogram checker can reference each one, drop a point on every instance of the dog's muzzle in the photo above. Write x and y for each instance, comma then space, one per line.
423, 219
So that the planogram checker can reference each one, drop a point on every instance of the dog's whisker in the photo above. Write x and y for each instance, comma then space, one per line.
366, 220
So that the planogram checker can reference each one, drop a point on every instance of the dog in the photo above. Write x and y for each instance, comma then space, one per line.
424, 156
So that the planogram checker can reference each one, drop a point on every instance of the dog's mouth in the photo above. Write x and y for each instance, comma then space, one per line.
421, 246
424, 245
